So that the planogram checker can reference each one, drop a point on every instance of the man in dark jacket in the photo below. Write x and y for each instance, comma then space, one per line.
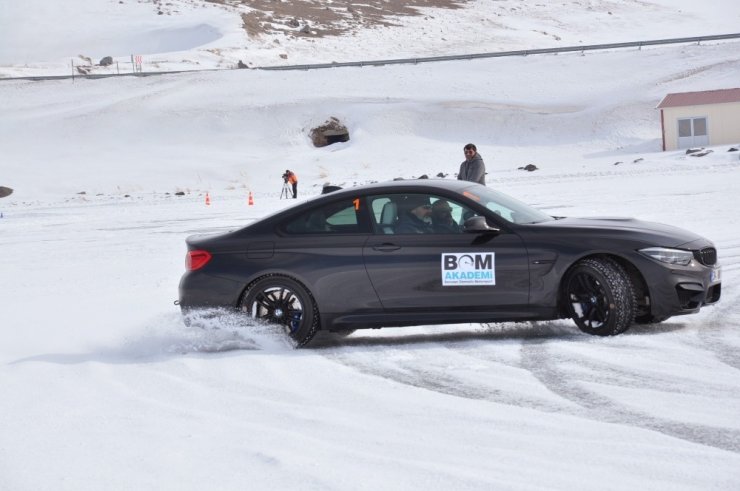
442, 221
472, 169
415, 217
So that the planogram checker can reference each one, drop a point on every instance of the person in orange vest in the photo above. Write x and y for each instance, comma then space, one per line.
291, 178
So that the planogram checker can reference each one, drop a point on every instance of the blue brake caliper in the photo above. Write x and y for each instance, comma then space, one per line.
295, 321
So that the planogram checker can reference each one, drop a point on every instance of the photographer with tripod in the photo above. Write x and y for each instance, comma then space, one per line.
289, 180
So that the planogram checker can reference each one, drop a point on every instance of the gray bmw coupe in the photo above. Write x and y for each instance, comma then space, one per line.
441, 251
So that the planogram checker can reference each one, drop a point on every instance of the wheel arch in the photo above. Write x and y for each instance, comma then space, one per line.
641, 288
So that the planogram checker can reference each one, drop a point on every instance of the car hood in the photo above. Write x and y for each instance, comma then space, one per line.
656, 234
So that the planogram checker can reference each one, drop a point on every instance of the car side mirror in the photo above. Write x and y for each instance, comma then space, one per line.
479, 225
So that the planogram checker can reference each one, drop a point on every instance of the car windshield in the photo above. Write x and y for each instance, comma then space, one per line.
506, 207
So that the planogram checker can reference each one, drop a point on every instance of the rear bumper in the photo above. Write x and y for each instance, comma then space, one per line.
200, 290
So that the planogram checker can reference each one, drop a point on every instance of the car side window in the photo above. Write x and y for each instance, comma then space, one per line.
417, 213
502, 211
335, 218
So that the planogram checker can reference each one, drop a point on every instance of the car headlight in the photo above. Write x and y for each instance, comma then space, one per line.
669, 256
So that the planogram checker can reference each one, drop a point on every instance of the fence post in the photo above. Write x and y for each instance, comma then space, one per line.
136, 62
72, 62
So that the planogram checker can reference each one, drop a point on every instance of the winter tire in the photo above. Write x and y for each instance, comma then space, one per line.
600, 297
283, 301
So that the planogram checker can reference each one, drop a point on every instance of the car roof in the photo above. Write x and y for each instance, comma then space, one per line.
401, 185
407, 185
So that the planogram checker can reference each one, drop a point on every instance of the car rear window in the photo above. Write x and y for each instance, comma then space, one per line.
335, 218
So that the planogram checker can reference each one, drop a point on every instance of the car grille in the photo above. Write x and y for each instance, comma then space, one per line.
706, 256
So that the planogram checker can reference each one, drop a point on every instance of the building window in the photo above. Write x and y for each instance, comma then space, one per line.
692, 132
684, 128
700, 126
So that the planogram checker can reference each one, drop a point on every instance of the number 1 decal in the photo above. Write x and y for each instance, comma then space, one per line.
356, 201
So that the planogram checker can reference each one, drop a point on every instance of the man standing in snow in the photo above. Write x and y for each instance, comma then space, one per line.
472, 169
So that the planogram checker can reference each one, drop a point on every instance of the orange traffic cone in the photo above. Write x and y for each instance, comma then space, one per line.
208, 200
251, 199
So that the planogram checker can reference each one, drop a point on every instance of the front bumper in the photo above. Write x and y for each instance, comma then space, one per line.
680, 290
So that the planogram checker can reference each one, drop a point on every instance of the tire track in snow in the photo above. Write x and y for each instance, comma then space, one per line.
602, 372
711, 337
545, 366
722, 317
399, 360
411, 375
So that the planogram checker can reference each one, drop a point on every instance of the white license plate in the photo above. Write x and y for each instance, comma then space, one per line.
715, 275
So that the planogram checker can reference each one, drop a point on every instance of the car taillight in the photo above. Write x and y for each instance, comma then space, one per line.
196, 259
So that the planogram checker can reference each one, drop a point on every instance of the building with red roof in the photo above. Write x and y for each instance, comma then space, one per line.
697, 119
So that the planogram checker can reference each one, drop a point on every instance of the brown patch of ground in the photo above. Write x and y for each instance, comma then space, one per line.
317, 18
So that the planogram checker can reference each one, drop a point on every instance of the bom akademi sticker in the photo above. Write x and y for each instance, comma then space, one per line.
468, 268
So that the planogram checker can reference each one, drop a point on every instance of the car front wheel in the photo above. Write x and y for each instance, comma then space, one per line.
600, 297
285, 302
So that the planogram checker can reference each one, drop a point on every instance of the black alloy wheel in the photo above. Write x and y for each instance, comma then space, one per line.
600, 297
285, 302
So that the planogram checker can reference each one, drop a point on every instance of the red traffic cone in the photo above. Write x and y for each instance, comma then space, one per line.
251, 199
208, 200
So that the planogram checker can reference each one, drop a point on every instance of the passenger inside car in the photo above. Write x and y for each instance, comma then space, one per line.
442, 220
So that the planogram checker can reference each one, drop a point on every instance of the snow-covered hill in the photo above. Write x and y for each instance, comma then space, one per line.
39, 37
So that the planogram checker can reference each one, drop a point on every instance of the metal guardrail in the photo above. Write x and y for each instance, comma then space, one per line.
402, 61
108, 75
525, 52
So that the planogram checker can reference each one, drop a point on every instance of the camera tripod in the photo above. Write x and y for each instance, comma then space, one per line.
287, 191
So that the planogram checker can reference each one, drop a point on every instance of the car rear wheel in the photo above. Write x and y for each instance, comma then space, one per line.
285, 302
600, 297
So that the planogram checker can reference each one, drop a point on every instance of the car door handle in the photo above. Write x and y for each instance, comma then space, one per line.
386, 247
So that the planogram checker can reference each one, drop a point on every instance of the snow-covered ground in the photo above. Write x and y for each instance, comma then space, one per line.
103, 387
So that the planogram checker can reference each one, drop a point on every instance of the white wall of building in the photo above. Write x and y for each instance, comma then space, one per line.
723, 124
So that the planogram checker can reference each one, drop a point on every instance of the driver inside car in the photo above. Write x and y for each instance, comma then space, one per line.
415, 219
